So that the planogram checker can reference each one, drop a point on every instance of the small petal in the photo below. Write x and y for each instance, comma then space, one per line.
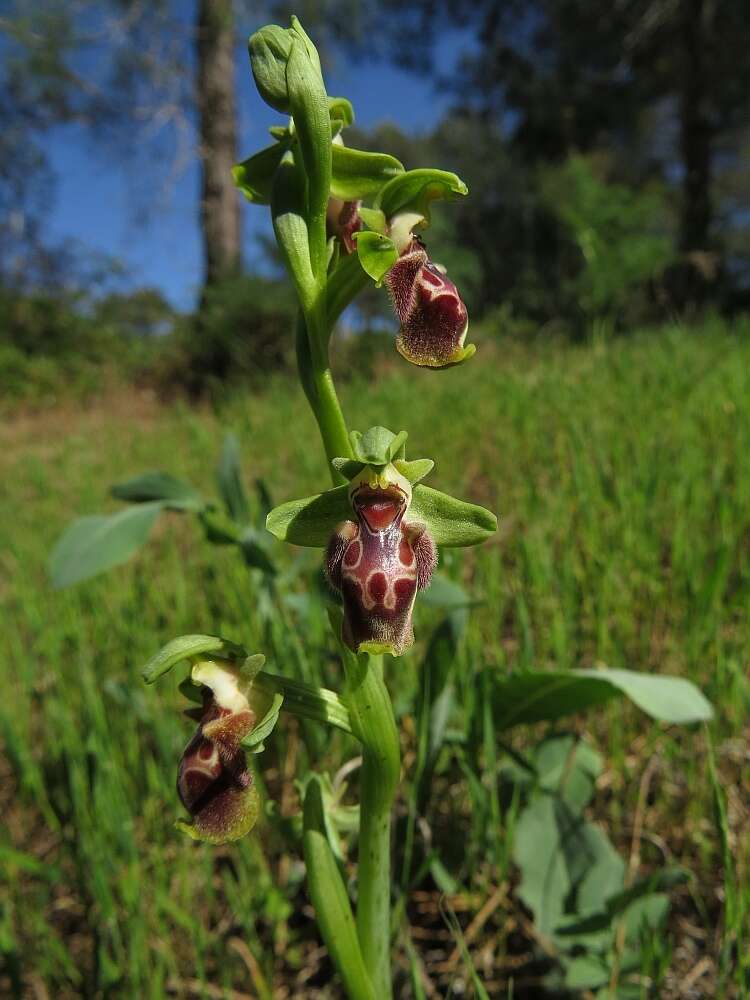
343, 220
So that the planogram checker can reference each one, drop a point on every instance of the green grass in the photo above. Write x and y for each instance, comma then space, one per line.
621, 474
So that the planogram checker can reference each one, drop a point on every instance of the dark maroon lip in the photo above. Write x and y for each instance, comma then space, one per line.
380, 508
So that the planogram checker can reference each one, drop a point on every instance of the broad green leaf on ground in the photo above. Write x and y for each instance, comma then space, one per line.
159, 486
547, 695
554, 846
91, 545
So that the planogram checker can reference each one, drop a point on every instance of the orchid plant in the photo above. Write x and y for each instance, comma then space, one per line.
343, 218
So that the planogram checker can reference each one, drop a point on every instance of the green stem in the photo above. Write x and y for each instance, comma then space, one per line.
317, 381
371, 716
370, 710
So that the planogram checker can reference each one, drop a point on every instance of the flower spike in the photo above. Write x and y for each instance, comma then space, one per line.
380, 532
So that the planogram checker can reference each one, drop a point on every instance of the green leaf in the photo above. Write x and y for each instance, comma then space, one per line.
93, 544
220, 529
159, 486
414, 190
358, 174
451, 522
447, 594
269, 52
341, 110
254, 176
188, 647
346, 282
555, 848
329, 898
229, 479
377, 253
288, 211
253, 548
547, 695
311, 520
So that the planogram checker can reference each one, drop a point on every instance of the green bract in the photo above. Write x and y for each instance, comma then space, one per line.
358, 174
312, 520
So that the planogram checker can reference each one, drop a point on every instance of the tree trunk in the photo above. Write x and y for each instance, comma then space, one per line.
696, 132
220, 209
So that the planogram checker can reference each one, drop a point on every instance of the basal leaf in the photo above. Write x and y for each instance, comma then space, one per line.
91, 545
159, 486
534, 696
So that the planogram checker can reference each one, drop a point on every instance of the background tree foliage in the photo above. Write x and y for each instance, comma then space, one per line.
604, 147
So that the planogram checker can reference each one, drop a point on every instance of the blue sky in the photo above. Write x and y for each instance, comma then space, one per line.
155, 232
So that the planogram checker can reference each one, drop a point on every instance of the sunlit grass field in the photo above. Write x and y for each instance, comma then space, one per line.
621, 474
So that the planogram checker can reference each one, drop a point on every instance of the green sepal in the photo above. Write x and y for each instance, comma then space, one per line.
340, 109
312, 520
414, 190
163, 486
374, 219
189, 647
358, 174
451, 522
414, 471
280, 132
348, 467
254, 176
378, 445
269, 51
297, 30
377, 253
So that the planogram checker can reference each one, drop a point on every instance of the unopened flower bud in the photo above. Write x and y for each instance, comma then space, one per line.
213, 780
378, 562
434, 320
